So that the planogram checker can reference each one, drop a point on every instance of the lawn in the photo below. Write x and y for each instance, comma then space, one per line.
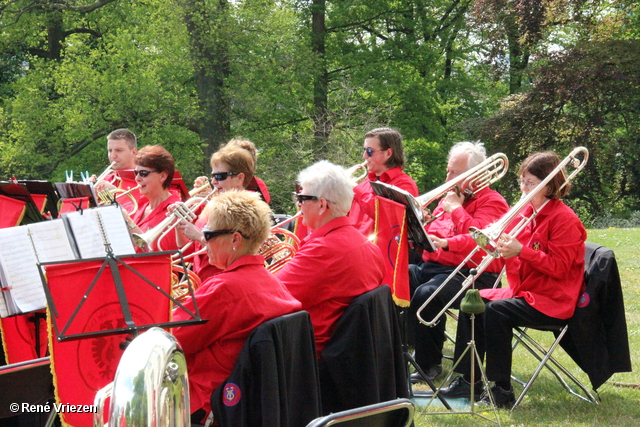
547, 403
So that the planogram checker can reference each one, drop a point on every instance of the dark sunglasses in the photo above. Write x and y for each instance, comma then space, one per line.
221, 176
369, 151
301, 198
210, 234
143, 173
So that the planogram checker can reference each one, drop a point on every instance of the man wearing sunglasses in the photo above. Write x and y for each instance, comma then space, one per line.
384, 155
335, 262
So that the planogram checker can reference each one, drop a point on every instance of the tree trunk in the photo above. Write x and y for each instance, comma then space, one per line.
207, 35
321, 120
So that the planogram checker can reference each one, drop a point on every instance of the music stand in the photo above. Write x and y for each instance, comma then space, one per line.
45, 188
416, 230
19, 192
74, 190
110, 272
177, 184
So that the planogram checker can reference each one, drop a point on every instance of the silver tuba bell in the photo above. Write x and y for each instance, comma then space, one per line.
151, 386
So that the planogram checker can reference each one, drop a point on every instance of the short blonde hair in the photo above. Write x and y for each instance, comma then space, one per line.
245, 212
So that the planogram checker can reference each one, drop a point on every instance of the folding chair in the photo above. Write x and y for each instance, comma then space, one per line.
393, 413
546, 359
595, 337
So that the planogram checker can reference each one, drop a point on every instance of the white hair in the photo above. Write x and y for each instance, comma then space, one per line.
476, 151
328, 181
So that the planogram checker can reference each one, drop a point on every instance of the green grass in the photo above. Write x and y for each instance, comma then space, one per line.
547, 403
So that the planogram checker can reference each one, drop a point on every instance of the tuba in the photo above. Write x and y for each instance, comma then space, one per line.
486, 239
151, 386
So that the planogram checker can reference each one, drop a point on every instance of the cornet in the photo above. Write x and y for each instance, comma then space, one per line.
106, 172
353, 169
487, 239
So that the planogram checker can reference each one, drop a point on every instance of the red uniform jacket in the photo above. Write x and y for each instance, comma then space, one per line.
335, 264
483, 209
363, 209
156, 217
236, 301
549, 271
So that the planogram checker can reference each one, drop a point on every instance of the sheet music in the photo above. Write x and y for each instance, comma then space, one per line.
51, 241
87, 233
19, 266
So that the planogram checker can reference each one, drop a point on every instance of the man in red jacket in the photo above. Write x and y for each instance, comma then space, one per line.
450, 234
384, 156
336, 262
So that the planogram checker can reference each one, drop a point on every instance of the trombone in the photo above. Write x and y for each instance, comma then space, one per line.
487, 238
474, 180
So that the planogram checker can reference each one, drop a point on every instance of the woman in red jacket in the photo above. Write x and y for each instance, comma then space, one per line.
545, 266
236, 301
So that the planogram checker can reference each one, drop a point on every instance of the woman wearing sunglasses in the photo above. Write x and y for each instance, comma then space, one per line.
233, 169
236, 301
384, 156
154, 169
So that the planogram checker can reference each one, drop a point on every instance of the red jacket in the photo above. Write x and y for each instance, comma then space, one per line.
236, 301
362, 213
335, 264
549, 271
483, 209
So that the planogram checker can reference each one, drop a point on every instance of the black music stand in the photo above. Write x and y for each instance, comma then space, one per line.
20, 192
112, 262
44, 188
73, 190
415, 227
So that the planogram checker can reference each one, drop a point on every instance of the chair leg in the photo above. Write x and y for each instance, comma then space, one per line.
546, 360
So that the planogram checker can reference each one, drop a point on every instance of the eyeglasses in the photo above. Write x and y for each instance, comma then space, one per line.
210, 234
221, 176
369, 151
301, 198
143, 173
527, 184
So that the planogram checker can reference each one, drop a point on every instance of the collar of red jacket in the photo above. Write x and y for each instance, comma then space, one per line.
341, 221
387, 175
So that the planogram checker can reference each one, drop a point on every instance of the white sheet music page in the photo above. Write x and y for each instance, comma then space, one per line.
19, 264
51, 241
88, 234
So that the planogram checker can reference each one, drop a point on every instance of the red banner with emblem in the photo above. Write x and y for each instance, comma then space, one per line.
391, 236
83, 366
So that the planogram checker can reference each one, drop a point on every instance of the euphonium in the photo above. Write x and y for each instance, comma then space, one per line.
280, 247
151, 385
487, 238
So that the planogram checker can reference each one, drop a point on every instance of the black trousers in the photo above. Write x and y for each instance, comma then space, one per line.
424, 280
494, 335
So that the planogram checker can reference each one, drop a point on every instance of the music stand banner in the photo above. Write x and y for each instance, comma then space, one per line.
392, 238
21, 337
11, 211
84, 365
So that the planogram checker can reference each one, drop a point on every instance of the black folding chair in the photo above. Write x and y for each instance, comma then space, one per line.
393, 413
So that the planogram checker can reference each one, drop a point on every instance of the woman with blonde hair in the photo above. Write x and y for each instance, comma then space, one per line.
236, 301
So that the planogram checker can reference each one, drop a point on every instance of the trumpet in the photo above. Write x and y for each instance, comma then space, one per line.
474, 180
353, 169
198, 190
184, 211
106, 172
486, 239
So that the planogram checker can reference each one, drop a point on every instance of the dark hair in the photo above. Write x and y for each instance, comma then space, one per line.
541, 165
125, 134
156, 157
389, 138
238, 159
